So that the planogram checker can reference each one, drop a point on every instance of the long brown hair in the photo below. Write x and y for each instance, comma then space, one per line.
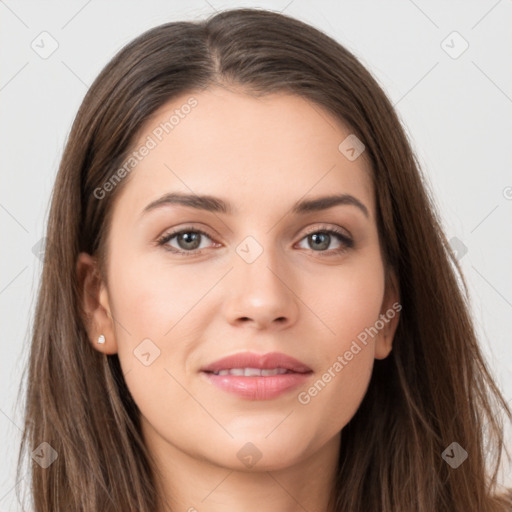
434, 388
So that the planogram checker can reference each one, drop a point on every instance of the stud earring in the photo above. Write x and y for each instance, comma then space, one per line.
101, 338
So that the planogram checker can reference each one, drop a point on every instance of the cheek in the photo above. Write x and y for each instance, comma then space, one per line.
346, 351
349, 308
152, 305
350, 302
148, 300
333, 398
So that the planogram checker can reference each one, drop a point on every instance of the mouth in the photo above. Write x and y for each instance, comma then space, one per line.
250, 363
257, 377
252, 372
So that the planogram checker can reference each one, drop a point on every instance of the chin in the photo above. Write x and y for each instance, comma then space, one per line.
257, 453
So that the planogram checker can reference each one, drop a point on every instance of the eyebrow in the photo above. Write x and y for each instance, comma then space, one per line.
217, 205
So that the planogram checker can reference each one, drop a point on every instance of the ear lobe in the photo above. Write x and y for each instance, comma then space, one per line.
94, 304
389, 316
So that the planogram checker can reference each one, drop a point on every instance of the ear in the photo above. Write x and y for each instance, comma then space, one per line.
95, 306
389, 316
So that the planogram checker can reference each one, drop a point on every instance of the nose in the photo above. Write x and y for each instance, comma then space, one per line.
261, 294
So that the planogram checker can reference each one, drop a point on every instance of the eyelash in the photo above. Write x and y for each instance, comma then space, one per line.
347, 242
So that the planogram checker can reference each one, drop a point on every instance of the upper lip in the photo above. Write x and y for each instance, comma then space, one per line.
263, 361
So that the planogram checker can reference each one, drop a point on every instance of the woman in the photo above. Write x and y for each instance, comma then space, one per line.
247, 300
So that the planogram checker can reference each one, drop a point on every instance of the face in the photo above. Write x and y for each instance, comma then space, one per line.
190, 284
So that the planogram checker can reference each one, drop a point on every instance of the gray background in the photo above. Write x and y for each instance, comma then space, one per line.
456, 108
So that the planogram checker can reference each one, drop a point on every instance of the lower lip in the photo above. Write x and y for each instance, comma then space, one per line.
258, 388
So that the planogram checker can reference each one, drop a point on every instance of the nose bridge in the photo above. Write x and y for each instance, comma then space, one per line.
258, 262
259, 290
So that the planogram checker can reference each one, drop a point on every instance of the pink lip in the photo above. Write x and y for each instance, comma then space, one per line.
258, 387
264, 362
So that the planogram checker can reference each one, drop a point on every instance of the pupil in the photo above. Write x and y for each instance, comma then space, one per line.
190, 238
325, 243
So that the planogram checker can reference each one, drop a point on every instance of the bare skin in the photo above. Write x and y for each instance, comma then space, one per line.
307, 300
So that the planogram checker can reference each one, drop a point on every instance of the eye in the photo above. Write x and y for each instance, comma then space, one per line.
320, 239
188, 240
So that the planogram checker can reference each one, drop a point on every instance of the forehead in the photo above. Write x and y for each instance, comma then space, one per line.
258, 151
